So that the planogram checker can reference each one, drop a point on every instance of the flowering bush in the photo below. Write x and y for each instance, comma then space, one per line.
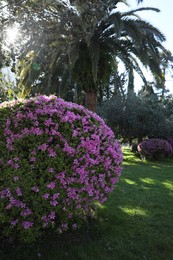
154, 149
56, 160
170, 141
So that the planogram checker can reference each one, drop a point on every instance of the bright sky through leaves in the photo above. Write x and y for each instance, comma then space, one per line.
163, 21
12, 33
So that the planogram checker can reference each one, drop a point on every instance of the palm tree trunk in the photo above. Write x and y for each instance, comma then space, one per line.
90, 100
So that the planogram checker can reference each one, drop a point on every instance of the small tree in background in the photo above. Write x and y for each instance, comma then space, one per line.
138, 117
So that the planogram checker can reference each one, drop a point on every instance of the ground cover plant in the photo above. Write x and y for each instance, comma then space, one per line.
57, 159
135, 222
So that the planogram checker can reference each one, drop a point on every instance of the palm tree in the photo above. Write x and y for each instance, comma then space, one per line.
116, 36
92, 37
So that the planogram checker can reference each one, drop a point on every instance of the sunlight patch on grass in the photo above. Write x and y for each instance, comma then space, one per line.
149, 181
155, 167
130, 182
134, 211
146, 188
168, 185
99, 205
129, 158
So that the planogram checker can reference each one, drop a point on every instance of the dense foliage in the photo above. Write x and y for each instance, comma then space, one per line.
56, 160
154, 149
139, 116
68, 44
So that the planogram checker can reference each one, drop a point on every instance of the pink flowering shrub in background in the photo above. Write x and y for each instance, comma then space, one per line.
170, 141
154, 149
56, 159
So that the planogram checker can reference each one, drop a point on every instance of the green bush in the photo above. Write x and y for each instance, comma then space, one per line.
56, 160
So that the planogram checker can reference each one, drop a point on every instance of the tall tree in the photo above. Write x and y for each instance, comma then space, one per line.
138, 117
89, 38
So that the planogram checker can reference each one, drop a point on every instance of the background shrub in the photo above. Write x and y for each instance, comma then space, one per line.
154, 149
170, 141
56, 160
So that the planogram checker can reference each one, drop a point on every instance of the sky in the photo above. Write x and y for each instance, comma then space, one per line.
163, 21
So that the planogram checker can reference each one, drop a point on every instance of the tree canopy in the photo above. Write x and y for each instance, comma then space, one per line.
139, 116
79, 44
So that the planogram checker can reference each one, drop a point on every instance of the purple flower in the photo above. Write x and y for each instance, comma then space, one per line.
52, 215
43, 147
35, 189
74, 226
9, 206
118, 170
14, 222
17, 203
69, 150
6, 193
45, 196
15, 178
51, 185
33, 152
51, 170
33, 159
55, 196
75, 133
54, 203
19, 191
36, 131
26, 212
64, 226
16, 166
27, 224
51, 152
48, 122
10, 162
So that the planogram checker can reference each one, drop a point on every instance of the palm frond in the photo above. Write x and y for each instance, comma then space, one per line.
143, 28
139, 1
133, 11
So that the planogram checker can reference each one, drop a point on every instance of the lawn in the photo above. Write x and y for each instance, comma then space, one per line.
135, 223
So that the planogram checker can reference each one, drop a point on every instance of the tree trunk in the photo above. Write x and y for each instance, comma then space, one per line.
90, 100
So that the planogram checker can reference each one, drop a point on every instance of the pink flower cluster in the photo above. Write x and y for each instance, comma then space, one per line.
59, 158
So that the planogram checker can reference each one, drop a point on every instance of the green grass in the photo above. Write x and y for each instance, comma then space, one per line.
135, 223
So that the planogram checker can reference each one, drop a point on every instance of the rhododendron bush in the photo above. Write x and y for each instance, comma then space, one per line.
170, 141
154, 149
56, 159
